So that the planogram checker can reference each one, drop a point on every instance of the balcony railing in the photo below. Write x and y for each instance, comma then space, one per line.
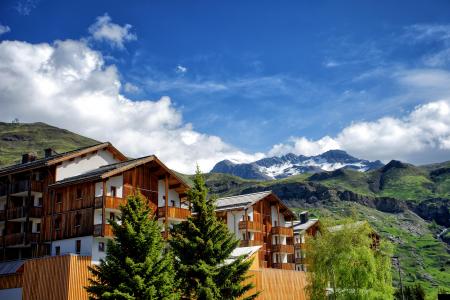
279, 230
21, 212
283, 248
251, 243
174, 212
110, 202
19, 238
252, 226
98, 230
299, 246
284, 266
299, 260
22, 186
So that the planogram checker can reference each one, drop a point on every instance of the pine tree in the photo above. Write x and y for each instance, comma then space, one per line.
201, 245
136, 265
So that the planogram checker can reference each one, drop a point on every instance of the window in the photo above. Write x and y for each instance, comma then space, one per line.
78, 246
172, 203
113, 191
112, 216
40, 200
243, 235
59, 197
38, 227
58, 223
77, 220
101, 247
275, 223
79, 193
57, 250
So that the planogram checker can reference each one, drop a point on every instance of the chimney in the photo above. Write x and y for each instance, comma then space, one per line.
28, 157
48, 152
25, 158
303, 217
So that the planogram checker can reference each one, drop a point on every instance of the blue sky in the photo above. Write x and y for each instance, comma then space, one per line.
263, 73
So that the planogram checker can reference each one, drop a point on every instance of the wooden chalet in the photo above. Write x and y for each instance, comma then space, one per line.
62, 203
261, 219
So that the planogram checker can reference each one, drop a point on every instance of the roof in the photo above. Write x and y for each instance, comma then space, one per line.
110, 170
10, 267
246, 200
351, 225
298, 227
240, 201
59, 157
247, 252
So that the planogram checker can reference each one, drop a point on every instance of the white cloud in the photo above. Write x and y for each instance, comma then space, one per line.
180, 69
131, 88
24, 7
104, 30
4, 29
421, 137
69, 85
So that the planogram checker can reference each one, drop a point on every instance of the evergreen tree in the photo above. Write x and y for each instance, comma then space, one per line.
347, 262
201, 245
136, 265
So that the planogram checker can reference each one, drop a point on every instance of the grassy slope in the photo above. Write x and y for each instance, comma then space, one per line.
16, 139
423, 258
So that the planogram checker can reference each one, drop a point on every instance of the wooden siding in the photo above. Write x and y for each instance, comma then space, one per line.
57, 277
279, 284
11, 281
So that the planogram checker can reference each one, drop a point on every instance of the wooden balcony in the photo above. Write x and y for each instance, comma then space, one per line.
284, 266
283, 248
174, 213
279, 230
299, 260
21, 212
251, 243
16, 239
252, 226
98, 230
22, 186
110, 202
299, 246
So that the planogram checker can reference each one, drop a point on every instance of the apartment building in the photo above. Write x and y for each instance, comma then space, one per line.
62, 203
261, 219
303, 229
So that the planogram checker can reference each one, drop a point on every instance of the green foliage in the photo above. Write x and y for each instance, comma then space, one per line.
201, 245
136, 265
16, 139
344, 261
411, 292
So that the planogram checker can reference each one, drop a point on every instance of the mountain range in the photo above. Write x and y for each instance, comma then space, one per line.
277, 167
407, 205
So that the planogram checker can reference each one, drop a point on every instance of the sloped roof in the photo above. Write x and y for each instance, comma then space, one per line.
58, 157
107, 171
240, 201
298, 227
10, 267
247, 252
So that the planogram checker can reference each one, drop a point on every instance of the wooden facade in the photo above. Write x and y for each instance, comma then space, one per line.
259, 231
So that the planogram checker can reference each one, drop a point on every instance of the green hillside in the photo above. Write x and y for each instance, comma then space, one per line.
18, 138
424, 258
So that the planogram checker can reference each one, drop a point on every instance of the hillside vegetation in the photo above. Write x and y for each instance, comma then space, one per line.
19, 138
407, 205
